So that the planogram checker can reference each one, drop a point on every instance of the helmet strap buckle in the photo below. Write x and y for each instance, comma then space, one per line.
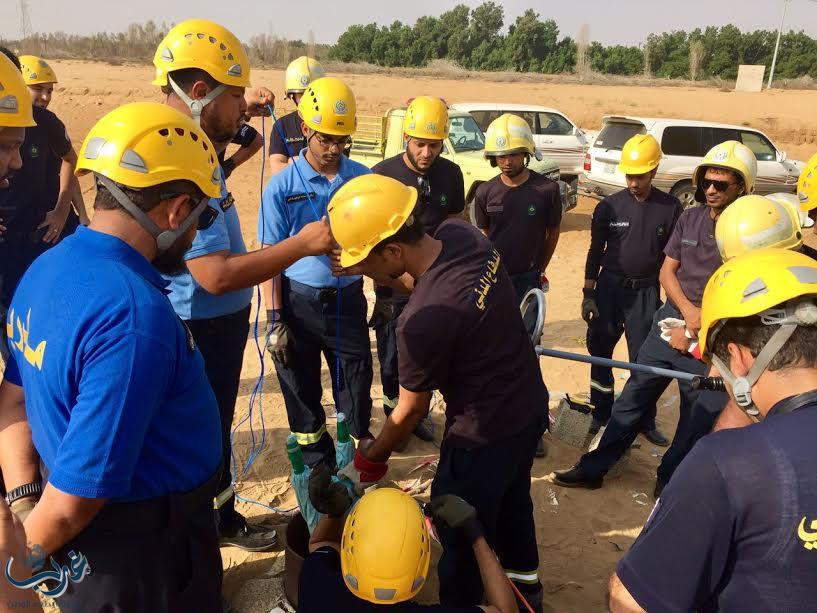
196, 106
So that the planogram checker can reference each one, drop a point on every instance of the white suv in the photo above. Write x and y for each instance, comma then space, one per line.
558, 138
684, 144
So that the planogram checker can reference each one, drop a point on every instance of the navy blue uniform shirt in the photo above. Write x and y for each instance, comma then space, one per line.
736, 527
692, 243
628, 237
116, 395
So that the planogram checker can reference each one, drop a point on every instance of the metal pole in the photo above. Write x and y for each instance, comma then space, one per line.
589, 359
777, 44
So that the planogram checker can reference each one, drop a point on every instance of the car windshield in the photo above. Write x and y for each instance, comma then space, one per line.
614, 134
465, 134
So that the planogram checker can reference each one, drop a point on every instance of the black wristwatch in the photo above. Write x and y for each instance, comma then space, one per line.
29, 489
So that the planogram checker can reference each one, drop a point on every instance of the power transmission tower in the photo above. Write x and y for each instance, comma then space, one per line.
25, 21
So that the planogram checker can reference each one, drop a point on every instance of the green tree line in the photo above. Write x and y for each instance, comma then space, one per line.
476, 39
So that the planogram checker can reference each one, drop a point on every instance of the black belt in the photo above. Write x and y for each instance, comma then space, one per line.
325, 295
630, 283
168, 514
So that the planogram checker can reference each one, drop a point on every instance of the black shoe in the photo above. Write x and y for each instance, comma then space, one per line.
250, 537
425, 430
656, 437
656, 493
576, 477
541, 448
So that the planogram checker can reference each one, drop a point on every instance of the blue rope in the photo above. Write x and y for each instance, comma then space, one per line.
257, 447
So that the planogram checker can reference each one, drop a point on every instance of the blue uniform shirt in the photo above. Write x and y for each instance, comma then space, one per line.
285, 209
191, 300
116, 394
736, 527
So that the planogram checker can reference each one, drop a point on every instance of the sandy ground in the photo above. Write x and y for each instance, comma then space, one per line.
580, 534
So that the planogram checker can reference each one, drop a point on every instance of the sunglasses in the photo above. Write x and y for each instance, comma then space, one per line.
720, 186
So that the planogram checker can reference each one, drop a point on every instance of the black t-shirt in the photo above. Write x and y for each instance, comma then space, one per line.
290, 124
243, 138
462, 333
628, 237
736, 527
441, 189
518, 217
321, 589
33, 189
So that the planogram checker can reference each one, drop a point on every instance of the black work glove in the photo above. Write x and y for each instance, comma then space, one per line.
328, 497
278, 342
451, 511
382, 313
590, 310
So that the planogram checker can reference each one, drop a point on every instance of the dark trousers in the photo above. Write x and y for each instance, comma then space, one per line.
622, 309
156, 555
697, 412
386, 335
504, 509
221, 341
311, 316
524, 282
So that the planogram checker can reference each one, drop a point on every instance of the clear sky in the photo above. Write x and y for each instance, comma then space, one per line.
609, 21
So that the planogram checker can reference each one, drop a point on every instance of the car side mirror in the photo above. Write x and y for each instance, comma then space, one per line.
577, 131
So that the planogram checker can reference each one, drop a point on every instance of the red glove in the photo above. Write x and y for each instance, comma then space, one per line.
361, 471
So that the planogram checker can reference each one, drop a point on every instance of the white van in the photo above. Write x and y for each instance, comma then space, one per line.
555, 135
684, 144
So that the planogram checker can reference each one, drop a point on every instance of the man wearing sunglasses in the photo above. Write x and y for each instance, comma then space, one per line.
204, 71
441, 194
727, 172
306, 318
105, 385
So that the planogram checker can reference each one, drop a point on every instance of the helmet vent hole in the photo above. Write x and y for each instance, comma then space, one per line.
222, 47
194, 136
200, 36
180, 131
164, 131
230, 56
212, 40
203, 144
189, 37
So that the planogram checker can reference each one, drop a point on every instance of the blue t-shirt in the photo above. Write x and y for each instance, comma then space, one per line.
115, 390
191, 300
736, 527
285, 209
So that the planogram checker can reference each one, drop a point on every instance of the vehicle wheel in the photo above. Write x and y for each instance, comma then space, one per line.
685, 192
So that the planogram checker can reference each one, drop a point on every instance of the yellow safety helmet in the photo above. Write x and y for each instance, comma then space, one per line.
426, 118
765, 282
328, 106
755, 222
640, 155
202, 44
36, 70
729, 155
807, 185
15, 101
143, 144
509, 134
386, 551
301, 72
367, 210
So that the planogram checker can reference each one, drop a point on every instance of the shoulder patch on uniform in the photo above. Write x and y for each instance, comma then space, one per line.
227, 202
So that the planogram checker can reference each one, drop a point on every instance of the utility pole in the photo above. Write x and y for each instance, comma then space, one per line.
777, 44
25, 21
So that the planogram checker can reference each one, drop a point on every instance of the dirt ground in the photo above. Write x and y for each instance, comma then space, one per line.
580, 534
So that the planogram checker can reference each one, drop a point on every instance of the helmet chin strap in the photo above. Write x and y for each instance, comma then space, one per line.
742, 386
164, 238
196, 106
